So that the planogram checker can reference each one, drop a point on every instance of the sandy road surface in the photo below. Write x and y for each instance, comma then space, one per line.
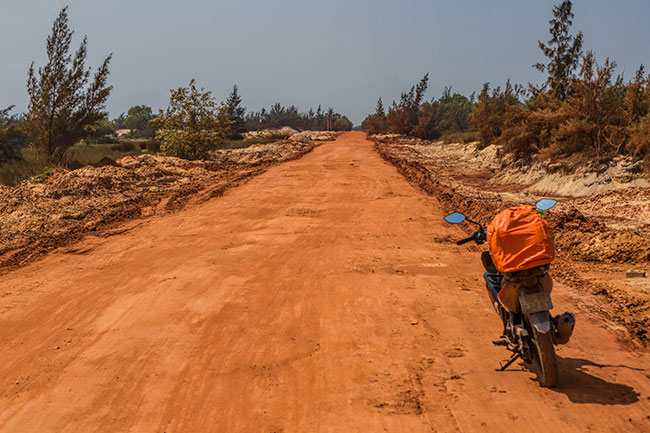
321, 296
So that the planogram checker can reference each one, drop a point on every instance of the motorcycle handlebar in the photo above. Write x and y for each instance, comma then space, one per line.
478, 236
464, 241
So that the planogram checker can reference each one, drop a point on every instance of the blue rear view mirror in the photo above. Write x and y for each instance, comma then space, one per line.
455, 218
545, 204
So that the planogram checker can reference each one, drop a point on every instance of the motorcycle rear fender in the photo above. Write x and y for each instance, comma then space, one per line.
541, 322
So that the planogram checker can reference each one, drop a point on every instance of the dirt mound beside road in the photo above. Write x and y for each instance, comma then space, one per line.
596, 227
572, 177
63, 206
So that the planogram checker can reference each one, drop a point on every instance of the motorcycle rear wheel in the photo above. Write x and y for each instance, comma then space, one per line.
544, 360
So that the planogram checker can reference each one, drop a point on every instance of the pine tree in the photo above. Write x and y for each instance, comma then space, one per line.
377, 122
61, 103
564, 52
235, 114
379, 111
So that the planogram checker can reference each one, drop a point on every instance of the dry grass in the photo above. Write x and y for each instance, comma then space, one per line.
80, 155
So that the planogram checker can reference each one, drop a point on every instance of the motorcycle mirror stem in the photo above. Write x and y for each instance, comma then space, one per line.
473, 222
457, 218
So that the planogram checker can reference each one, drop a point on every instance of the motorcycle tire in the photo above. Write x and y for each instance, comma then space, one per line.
544, 360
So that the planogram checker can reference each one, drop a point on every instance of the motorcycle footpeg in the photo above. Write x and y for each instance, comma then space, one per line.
500, 342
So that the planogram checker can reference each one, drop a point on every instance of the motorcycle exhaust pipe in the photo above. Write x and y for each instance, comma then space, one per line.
564, 325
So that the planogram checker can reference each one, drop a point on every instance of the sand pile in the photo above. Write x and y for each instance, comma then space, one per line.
568, 178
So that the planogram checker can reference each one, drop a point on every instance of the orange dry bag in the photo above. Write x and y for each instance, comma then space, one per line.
519, 239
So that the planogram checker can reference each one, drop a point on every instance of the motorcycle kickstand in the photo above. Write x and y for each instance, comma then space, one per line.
512, 359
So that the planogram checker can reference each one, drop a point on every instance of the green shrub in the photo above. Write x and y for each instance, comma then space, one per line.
45, 174
192, 125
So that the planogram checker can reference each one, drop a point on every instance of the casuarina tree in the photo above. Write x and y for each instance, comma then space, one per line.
63, 100
402, 118
563, 51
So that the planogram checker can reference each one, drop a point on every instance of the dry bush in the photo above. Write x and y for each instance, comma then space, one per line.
637, 113
601, 117
460, 137
489, 113
639, 143
591, 112
402, 117
376, 123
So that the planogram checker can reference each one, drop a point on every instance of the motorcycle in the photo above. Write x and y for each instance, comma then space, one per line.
529, 330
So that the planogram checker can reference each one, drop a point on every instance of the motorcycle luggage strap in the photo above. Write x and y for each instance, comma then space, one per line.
520, 275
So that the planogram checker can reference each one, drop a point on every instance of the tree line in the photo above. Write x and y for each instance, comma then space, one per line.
412, 115
67, 104
583, 106
277, 116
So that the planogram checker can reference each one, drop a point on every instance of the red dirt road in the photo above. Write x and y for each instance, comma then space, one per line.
321, 296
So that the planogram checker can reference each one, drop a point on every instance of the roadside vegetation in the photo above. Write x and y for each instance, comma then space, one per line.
66, 125
583, 108
447, 117
192, 125
278, 116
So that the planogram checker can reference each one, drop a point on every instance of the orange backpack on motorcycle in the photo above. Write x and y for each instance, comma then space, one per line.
519, 239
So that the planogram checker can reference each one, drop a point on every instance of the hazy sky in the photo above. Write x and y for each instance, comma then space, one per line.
340, 53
